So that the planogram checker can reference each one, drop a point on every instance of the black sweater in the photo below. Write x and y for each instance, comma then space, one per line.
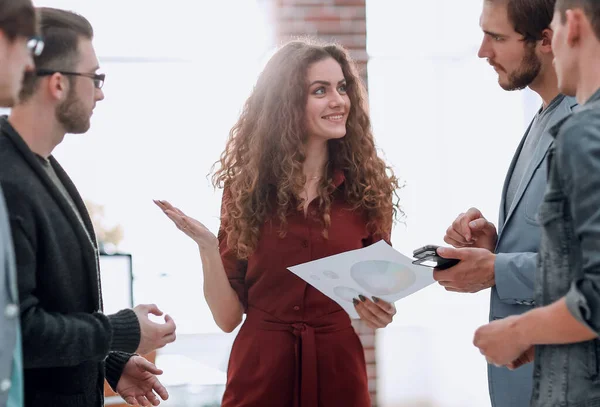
68, 343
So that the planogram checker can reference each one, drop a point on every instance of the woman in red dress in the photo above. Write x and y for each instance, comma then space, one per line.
302, 181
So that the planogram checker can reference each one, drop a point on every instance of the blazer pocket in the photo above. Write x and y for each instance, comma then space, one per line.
534, 195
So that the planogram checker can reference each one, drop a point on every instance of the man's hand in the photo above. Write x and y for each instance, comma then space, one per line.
474, 272
471, 229
138, 384
501, 344
526, 357
153, 336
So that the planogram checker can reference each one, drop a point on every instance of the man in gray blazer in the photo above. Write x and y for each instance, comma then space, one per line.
18, 29
517, 43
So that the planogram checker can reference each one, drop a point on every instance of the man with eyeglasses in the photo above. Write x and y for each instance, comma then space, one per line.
18, 29
69, 345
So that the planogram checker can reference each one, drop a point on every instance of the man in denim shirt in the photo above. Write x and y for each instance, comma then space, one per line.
561, 335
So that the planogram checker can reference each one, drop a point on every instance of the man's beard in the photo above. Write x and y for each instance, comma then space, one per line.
526, 73
72, 115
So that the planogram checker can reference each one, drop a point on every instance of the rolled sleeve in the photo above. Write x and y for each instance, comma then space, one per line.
578, 157
583, 302
235, 269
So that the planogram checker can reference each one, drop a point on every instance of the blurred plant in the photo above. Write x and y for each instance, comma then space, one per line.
108, 238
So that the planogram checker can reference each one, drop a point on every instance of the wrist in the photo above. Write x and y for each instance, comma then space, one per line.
491, 268
208, 248
523, 330
209, 252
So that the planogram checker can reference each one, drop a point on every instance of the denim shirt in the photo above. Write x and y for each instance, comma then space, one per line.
569, 259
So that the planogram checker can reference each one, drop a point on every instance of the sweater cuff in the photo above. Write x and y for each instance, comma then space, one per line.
125, 331
114, 365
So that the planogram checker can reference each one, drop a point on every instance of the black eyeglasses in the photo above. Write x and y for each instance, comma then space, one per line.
35, 45
97, 77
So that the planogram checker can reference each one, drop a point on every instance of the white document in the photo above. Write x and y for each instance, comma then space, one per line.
377, 270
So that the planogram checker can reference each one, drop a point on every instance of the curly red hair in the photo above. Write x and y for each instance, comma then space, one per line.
261, 167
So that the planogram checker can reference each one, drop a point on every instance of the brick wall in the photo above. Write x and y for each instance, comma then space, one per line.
342, 21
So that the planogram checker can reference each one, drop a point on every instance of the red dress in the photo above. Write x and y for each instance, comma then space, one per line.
296, 347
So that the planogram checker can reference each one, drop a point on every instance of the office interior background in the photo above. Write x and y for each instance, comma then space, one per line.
177, 74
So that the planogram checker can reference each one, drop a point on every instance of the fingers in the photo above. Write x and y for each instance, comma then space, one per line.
165, 205
366, 318
461, 227
372, 313
142, 401
175, 214
154, 310
453, 289
151, 397
491, 362
177, 219
181, 222
169, 339
169, 326
460, 232
184, 223
130, 400
148, 366
149, 309
446, 279
478, 225
385, 306
442, 276
454, 233
166, 332
453, 239
452, 252
160, 390
472, 214
525, 358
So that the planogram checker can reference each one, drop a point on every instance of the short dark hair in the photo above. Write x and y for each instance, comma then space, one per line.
61, 31
530, 17
17, 19
591, 8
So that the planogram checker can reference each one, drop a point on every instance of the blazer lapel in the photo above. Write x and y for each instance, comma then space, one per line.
85, 236
538, 156
502, 213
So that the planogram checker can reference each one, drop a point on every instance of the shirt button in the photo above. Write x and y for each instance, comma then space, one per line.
296, 308
305, 243
5, 385
11, 311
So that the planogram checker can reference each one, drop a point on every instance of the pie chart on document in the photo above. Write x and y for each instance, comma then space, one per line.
381, 277
346, 293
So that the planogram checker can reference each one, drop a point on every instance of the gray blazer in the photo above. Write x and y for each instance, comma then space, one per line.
9, 311
516, 261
